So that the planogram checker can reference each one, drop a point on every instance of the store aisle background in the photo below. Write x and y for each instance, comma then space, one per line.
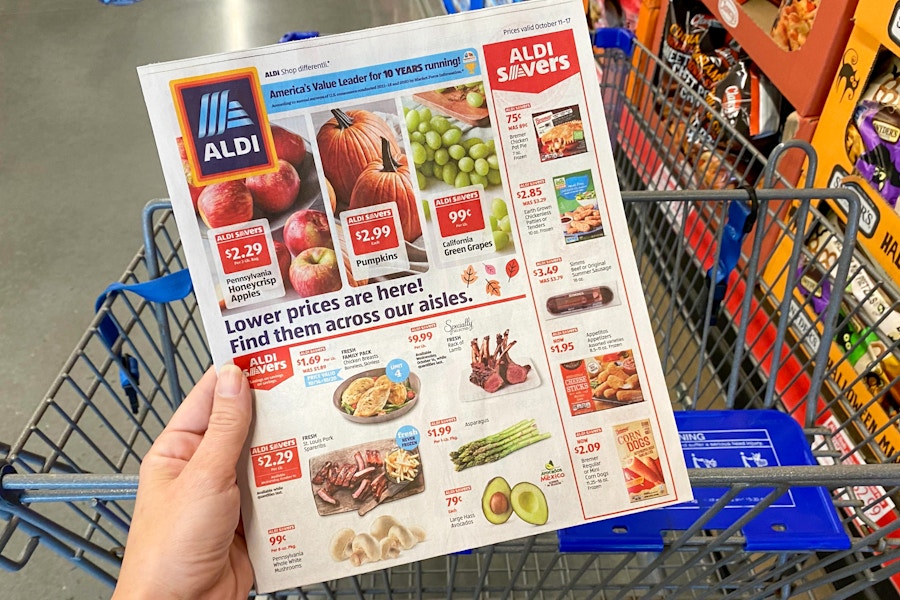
77, 163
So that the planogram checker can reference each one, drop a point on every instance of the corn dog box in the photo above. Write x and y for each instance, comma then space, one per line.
639, 459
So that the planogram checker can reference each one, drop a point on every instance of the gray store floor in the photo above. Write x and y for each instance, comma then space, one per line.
77, 163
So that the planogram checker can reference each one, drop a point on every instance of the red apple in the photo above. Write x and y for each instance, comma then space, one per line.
315, 271
307, 229
284, 260
181, 150
223, 204
288, 146
275, 192
194, 189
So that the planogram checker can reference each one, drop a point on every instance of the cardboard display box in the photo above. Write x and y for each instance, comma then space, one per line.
804, 75
877, 30
802, 124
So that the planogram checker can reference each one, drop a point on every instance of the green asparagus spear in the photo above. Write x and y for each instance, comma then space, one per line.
511, 430
502, 452
518, 435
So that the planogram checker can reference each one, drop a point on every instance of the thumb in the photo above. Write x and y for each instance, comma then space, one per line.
229, 421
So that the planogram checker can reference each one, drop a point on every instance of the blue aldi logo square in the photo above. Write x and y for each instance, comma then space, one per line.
224, 126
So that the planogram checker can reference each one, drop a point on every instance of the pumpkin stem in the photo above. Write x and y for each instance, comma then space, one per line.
390, 165
343, 119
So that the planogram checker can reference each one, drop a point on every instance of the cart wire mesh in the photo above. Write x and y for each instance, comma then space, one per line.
68, 481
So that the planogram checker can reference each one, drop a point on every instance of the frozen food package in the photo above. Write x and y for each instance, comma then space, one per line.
639, 459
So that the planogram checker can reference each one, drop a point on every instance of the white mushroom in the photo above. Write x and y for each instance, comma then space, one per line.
390, 548
341, 544
364, 548
418, 532
404, 536
382, 525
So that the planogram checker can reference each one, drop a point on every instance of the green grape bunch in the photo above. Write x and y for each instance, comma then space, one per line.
440, 153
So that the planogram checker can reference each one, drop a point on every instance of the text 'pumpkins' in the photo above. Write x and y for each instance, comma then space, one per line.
348, 142
387, 180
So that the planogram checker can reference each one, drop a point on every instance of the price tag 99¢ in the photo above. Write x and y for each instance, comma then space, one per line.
459, 213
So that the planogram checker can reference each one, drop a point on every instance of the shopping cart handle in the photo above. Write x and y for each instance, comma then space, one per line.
175, 286
169, 288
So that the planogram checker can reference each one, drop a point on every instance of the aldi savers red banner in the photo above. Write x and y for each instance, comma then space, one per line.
532, 64
267, 369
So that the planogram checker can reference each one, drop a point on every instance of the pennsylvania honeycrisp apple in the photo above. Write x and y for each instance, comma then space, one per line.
307, 228
288, 146
284, 260
195, 190
223, 204
315, 271
275, 192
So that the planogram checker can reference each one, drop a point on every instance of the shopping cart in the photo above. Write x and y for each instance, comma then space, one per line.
727, 342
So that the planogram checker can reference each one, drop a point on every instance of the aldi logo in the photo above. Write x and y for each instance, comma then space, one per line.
224, 126
531, 64
217, 114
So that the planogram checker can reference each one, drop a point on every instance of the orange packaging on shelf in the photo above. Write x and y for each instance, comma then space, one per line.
802, 76
646, 32
838, 143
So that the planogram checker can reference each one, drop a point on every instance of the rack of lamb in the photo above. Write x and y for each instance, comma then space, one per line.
492, 370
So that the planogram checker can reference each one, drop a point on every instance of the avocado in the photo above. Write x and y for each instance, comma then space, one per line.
529, 503
495, 503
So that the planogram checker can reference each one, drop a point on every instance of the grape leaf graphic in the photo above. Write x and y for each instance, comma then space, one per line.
469, 275
512, 268
492, 288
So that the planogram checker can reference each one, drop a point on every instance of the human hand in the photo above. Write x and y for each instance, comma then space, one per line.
185, 540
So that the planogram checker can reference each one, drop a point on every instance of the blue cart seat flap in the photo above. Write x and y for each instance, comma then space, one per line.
803, 519
614, 37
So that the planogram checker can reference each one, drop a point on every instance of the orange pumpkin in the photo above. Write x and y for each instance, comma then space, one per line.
388, 180
332, 199
348, 142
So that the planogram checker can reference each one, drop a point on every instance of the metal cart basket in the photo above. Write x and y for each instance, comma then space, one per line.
727, 342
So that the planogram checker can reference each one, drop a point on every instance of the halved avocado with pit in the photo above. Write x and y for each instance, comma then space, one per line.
495, 501
529, 503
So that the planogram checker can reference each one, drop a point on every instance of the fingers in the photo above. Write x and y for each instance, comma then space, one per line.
193, 414
229, 422
182, 434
